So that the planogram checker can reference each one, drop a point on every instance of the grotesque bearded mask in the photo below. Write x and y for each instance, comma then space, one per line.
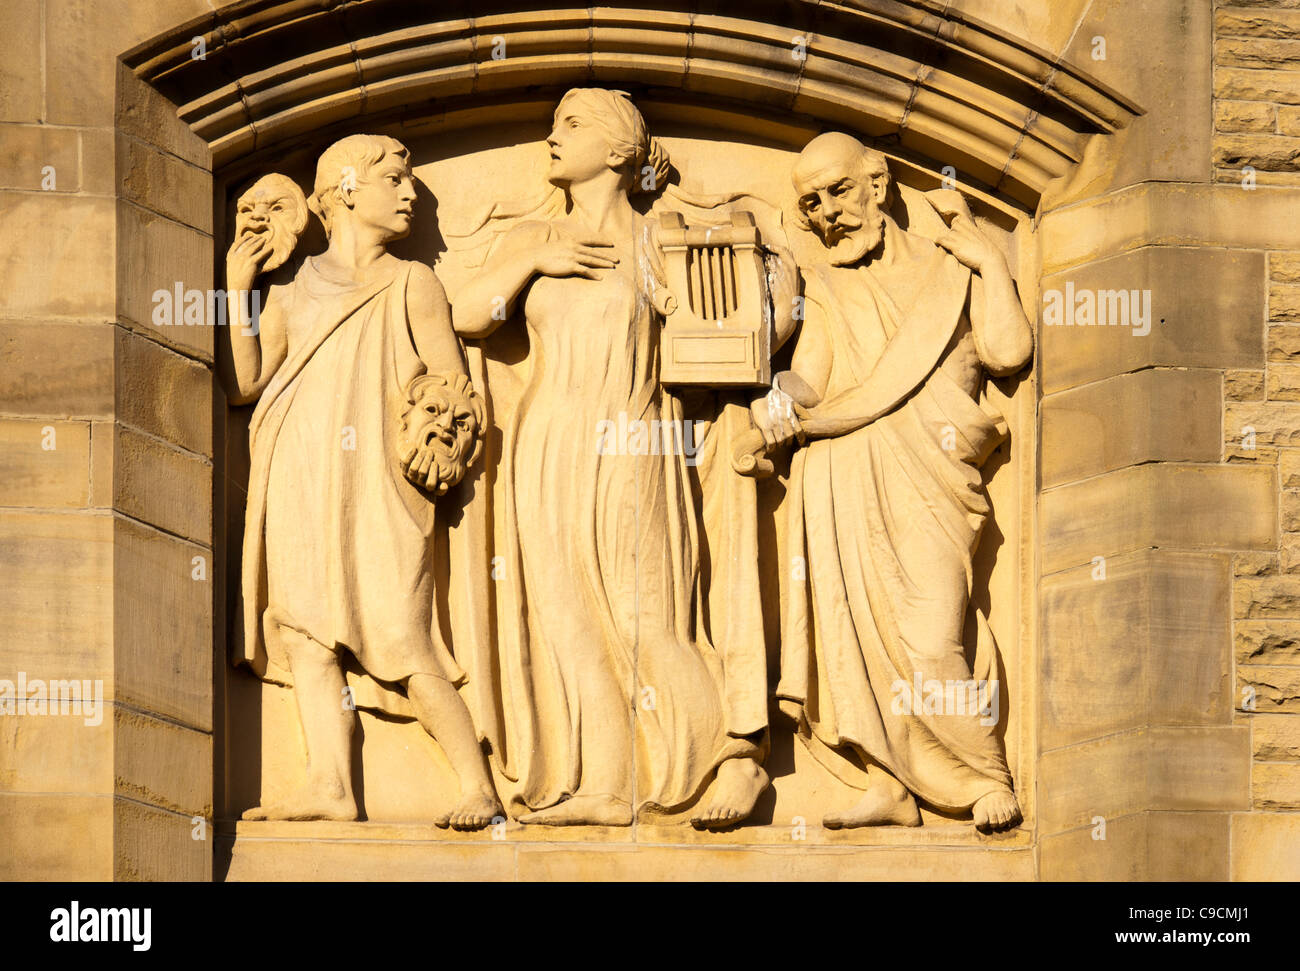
273, 205
441, 432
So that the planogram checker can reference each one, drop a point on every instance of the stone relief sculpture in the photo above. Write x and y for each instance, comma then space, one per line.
352, 362
886, 502
615, 699
617, 668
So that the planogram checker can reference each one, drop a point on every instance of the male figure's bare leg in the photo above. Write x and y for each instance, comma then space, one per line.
444, 716
885, 803
327, 726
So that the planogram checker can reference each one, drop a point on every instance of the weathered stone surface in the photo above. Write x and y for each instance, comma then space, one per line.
151, 844
164, 393
1252, 116
1272, 423
1267, 642
1129, 650
1266, 846
1276, 786
178, 189
57, 595
66, 269
138, 461
56, 837
1252, 53
1237, 20
1276, 737
1206, 308
1268, 152
44, 463
21, 93
39, 158
1177, 417
1159, 505
1284, 267
1254, 564
1284, 382
1267, 597
1247, 85
59, 370
1284, 303
1243, 385
156, 256
161, 666
1268, 688
1289, 468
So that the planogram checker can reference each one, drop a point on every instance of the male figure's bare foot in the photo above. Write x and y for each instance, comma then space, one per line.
996, 811
739, 784
881, 805
602, 810
309, 802
474, 811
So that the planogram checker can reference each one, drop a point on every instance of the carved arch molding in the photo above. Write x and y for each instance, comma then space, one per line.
932, 87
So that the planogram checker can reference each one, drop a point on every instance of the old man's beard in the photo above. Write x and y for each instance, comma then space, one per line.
850, 243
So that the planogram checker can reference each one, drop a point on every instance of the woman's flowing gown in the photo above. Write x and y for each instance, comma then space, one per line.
601, 648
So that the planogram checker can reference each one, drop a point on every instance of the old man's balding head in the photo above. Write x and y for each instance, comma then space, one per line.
842, 187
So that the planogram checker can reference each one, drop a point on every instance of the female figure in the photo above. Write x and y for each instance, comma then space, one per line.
610, 689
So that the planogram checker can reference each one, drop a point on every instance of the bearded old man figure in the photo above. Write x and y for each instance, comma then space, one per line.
886, 501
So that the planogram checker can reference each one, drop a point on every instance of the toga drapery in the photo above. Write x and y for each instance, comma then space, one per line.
886, 505
338, 545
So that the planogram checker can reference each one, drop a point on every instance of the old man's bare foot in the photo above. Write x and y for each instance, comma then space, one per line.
996, 811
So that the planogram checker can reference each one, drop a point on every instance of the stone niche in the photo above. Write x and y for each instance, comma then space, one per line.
465, 163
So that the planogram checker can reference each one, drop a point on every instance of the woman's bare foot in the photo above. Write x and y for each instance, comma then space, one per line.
309, 802
602, 810
880, 806
996, 811
739, 784
474, 811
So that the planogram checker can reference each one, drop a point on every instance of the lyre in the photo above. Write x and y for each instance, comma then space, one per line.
720, 333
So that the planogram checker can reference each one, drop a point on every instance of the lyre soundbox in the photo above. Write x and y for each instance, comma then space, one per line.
720, 332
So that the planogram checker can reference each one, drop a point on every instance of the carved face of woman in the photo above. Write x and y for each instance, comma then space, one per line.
275, 206
384, 197
579, 149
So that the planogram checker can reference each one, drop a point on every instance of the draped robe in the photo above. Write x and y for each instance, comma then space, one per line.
338, 545
886, 506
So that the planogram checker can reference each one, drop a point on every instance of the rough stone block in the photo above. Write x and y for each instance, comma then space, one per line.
56, 370
1204, 507
1152, 415
1206, 310
44, 463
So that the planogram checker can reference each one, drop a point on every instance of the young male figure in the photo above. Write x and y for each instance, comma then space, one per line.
338, 549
